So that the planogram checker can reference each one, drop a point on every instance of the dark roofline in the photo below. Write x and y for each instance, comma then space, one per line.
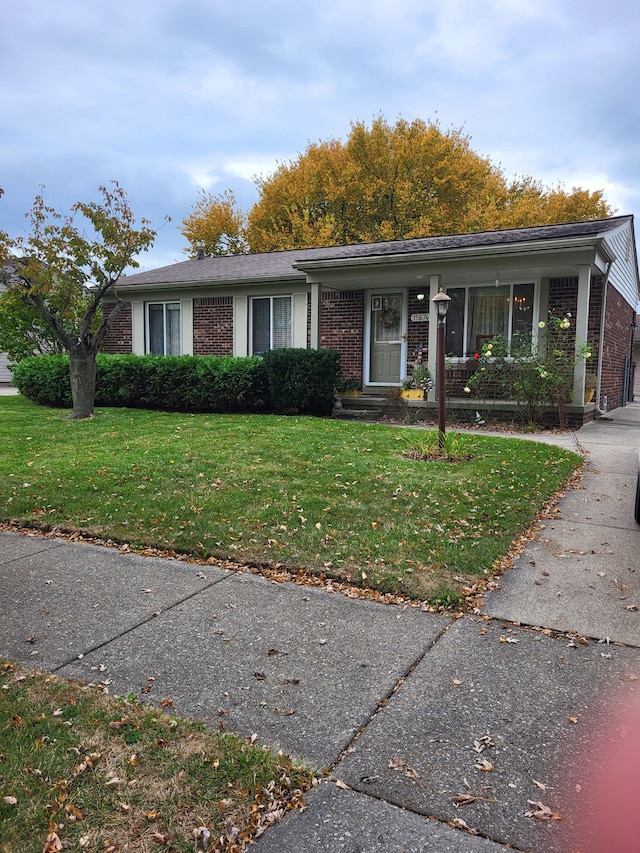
290, 264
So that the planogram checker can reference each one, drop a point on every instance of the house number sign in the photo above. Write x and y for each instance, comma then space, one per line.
419, 318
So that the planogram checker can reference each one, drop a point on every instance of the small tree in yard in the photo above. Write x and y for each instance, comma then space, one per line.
61, 275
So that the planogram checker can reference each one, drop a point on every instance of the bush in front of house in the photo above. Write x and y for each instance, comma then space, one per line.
182, 383
170, 383
44, 379
302, 381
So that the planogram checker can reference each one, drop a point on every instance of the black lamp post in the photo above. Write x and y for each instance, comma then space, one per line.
441, 302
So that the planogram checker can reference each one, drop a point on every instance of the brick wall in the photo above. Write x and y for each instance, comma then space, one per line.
342, 328
213, 325
417, 333
617, 343
119, 338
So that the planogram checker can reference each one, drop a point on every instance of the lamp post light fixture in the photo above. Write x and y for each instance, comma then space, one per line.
441, 302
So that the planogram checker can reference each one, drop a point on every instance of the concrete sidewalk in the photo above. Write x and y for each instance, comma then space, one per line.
432, 723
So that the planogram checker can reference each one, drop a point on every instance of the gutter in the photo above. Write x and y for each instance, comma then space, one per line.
439, 255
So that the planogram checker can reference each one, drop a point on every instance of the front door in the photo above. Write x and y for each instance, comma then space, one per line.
386, 323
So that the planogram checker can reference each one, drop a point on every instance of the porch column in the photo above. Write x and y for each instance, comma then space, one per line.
316, 301
434, 287
582, 328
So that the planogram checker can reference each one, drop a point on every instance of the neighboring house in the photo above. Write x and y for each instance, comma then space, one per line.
5, 372
372, 302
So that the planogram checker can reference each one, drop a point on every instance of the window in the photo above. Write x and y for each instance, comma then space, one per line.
477, 314
163, 328
270, 323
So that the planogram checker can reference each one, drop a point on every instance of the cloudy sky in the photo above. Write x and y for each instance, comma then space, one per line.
171, 96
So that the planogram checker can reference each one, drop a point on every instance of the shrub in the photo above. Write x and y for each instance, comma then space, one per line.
44, 379
538, 378
302, 381
172, 383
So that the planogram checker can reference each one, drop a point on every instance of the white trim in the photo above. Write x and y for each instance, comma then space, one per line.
147, 324
240, 326
367, 335
137, 331
298, 310
299, 320
186, 327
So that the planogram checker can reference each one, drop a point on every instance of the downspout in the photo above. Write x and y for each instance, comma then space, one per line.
605, 282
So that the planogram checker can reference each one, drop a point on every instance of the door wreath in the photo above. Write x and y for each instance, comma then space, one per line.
388, 318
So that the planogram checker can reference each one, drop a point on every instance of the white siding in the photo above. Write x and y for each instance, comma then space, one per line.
624, 270
5, 373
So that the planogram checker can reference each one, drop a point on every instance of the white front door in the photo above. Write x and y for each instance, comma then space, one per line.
386, 337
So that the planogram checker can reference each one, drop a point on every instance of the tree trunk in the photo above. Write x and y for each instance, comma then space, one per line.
82, 369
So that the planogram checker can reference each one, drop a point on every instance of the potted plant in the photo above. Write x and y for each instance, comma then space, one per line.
348, 386
415, 387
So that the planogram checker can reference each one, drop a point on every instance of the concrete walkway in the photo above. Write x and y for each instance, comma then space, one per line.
433, 725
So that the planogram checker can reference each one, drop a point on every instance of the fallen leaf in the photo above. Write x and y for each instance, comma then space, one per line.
341, 784
467, 799
10, 801
202, 838
539, 785
484, 764
541, 812
73, 813
483, 743
461, 824
52, 844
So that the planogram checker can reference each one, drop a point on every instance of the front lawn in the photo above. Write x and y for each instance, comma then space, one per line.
82, 770
334, 497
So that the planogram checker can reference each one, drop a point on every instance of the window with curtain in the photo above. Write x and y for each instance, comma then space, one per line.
163, 328
270, 323
478, 314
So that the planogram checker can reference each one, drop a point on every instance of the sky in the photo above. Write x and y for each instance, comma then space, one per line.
169, 97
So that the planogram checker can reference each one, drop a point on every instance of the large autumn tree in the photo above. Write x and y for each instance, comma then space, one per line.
60, 274
410, 179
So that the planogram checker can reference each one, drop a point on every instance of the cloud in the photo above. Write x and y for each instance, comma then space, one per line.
170, 97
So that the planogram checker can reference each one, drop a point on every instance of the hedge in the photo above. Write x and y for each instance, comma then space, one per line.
290, 381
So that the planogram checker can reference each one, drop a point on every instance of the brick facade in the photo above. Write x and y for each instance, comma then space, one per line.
342, 328
617, 344
119, 338
417, 333
213, 325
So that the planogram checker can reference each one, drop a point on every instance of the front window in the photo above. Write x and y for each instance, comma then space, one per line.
163, 328
478, 314
270, 323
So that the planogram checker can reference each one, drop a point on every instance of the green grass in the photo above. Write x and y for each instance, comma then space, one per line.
329, 496
106, 774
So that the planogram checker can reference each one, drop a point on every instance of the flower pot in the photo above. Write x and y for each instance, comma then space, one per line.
412, 394
588, 395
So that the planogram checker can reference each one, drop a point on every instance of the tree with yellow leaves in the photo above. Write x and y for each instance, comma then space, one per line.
385, 182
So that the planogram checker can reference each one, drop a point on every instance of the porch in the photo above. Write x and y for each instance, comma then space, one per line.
463, 412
